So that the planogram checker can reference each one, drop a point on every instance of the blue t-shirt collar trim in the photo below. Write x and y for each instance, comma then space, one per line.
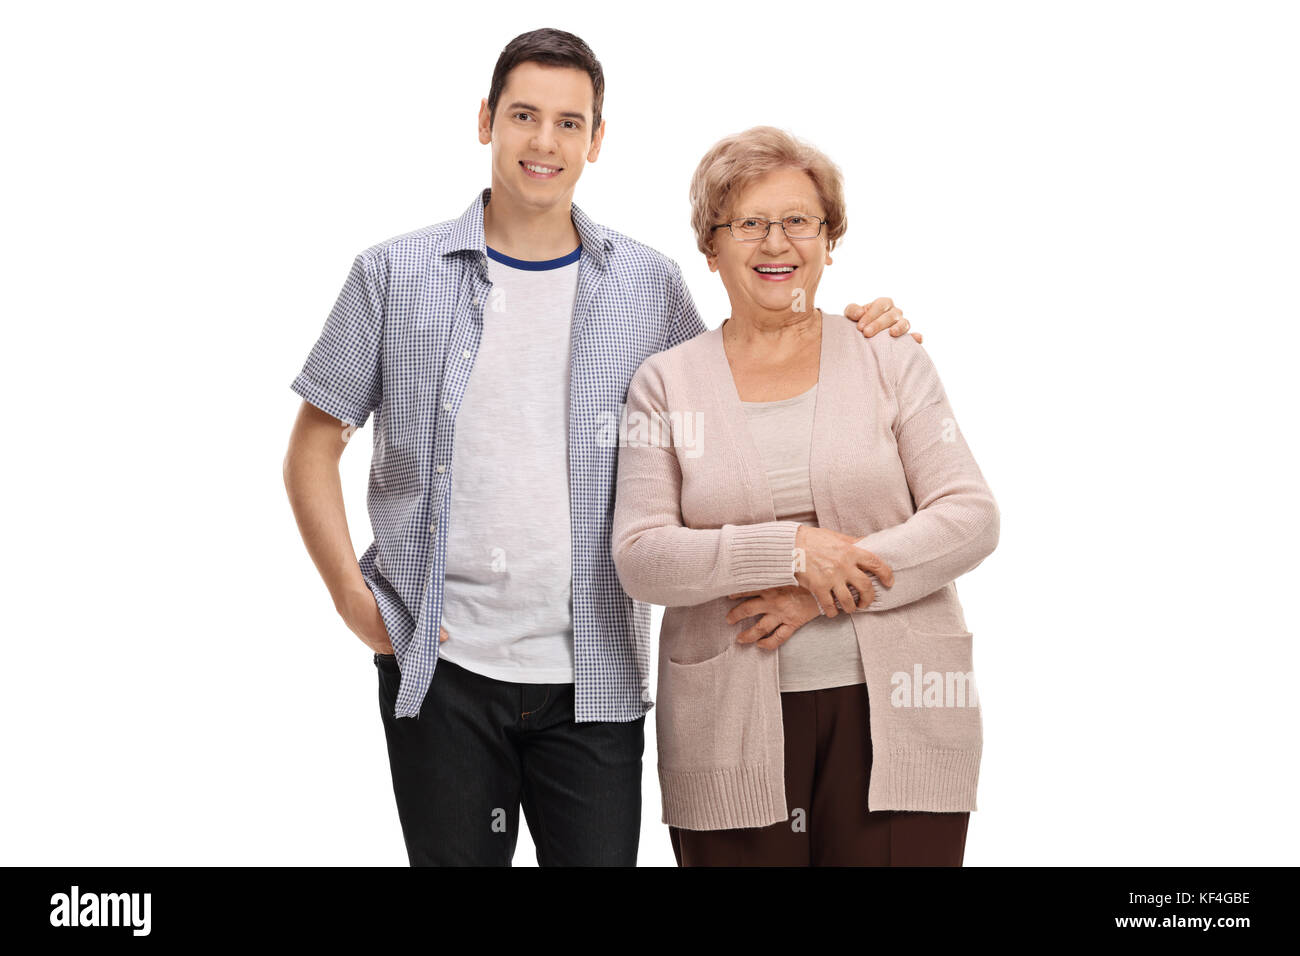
535, 265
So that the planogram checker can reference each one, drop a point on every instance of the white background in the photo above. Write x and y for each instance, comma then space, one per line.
1090, 210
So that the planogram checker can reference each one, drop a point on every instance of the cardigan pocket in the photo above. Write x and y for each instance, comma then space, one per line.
933, 702
710, 714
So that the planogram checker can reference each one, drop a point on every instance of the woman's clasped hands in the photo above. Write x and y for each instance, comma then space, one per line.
834, 575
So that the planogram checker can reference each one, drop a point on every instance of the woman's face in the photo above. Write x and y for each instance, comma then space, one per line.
746, 267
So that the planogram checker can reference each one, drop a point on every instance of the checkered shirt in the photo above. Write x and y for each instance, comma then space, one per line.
401, 342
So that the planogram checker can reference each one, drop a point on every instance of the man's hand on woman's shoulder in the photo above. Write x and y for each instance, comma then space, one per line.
881, 314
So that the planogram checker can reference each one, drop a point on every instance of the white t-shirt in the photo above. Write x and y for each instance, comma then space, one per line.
508, 598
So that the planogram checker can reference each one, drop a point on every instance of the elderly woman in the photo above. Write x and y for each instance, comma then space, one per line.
801, 501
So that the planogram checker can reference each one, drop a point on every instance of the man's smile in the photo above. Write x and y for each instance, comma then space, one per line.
540, 170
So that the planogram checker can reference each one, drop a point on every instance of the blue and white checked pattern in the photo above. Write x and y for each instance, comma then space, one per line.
401, 342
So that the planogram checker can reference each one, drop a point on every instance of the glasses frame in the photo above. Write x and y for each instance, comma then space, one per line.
768, 231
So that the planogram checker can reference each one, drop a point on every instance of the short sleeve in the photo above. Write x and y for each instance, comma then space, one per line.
684, 322
343, 374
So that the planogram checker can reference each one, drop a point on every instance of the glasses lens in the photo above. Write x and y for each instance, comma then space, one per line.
801, 227
746, 229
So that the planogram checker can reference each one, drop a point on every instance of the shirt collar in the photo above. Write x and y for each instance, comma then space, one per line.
466, 233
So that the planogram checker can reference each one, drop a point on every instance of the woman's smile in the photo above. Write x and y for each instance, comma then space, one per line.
775, 271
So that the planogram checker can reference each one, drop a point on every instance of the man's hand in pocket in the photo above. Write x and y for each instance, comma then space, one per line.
360, 613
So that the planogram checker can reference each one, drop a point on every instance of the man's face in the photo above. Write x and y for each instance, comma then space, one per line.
775, 274
541, 137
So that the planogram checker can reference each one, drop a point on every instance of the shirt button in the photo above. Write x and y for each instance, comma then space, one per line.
446, 406
465, 354
441, 469
433, 526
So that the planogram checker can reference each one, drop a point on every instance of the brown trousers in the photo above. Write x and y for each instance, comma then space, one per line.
827, 771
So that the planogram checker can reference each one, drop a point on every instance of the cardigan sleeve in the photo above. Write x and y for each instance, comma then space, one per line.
658, 559
956, 522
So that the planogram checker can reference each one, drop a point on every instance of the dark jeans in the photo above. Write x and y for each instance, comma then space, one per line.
482, 747
827, 772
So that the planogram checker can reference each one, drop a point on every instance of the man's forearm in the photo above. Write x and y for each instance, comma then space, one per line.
316, 496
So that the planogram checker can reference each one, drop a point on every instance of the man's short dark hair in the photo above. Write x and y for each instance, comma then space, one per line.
550, 48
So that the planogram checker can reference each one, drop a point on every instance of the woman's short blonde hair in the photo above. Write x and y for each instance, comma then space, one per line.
733, 163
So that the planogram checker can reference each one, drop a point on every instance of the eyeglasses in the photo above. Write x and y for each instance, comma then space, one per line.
752, 229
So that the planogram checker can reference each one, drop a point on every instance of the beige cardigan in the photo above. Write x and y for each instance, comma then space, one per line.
694, 522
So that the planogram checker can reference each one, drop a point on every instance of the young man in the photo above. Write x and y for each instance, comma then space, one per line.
495, 350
